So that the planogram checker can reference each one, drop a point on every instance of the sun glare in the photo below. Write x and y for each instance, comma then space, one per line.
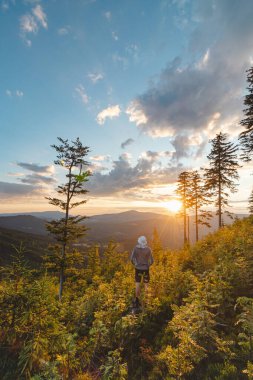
174, 205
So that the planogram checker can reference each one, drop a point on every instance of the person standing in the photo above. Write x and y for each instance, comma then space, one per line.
142, 259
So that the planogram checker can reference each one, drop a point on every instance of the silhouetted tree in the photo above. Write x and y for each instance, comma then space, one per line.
251, 203
198, 198
222, 173
156, 244
67, 229
246, 137
183, 192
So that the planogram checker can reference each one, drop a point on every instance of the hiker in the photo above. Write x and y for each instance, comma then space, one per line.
141, 258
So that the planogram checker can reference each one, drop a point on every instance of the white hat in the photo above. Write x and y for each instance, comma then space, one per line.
142, 241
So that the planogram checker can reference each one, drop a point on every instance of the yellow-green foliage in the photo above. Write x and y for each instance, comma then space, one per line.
196, 322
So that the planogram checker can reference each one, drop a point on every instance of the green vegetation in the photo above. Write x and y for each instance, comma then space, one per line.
35, 245
197, 321
68, 229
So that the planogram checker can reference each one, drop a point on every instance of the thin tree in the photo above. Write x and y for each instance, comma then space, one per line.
68, 229
251, 203
222, 173
246, 137
199, 197
183, 192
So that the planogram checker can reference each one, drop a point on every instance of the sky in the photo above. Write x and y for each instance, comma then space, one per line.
145, 84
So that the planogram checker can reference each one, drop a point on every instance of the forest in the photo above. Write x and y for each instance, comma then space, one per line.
71, 318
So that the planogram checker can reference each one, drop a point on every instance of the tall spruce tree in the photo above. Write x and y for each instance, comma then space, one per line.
246, 137
251, 203
199, 197
183, 192
66, 230
222, 173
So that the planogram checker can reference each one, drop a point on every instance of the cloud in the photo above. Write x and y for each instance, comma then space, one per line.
80, 90
16, 93
31, 22
124, 178
97, 167
187, 97
115, 36
108, 15
5, 6
28, 24
133, 51
47, 169
37, 179
64, 31
136, 114
126, 143
19, 94
95, 77
40, 16
8, 189
109, 112
15, 174
117, 58
101, 158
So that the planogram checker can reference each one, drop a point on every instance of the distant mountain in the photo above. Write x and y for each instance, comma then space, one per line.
122, 217
47, 215
124, 228
24, 223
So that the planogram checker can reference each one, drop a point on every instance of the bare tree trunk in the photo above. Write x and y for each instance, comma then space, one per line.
196, 222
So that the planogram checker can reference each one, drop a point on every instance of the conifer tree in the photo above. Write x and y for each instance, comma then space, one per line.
183, 192
222, 173
198, 198
246, 137
156, 244
66, 230
251, 203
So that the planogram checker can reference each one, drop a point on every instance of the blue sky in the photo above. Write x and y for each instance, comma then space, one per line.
145, 84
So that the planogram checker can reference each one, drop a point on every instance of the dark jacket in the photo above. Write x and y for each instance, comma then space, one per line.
142, 258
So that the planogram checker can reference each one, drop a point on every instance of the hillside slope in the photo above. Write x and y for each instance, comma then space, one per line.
35, 246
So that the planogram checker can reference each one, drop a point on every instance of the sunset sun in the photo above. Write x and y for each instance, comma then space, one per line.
173, 205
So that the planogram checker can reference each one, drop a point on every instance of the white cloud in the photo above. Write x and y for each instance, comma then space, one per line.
203, 61
40, 15
28, 24
110, 112
136, 114
19, 94
100, 158
95, 77
80, 90
16, 93
31, 22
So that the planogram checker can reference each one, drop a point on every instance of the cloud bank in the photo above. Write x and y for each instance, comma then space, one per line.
204, 94
124, 178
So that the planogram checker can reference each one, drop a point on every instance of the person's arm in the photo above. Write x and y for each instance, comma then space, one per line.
133, 258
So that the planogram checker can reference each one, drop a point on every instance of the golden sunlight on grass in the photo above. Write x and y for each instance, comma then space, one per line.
174, 205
